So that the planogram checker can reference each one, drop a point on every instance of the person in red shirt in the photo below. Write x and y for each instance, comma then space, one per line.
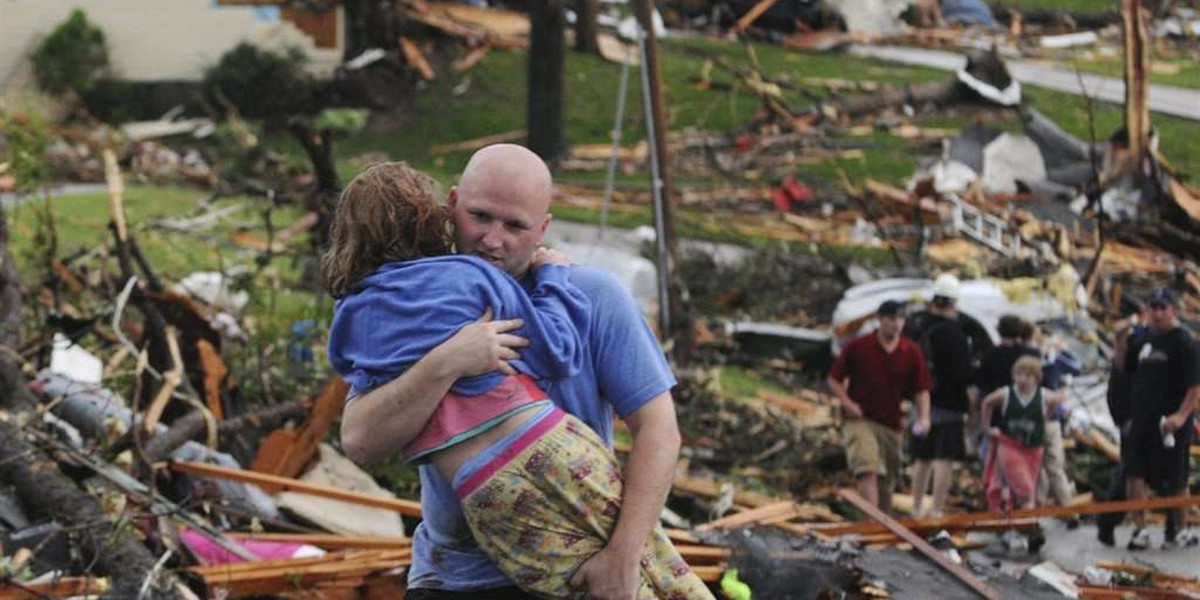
871, 377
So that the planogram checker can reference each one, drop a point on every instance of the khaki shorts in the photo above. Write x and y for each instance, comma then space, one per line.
872, 448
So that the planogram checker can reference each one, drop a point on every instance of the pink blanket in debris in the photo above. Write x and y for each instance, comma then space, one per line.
1010, 475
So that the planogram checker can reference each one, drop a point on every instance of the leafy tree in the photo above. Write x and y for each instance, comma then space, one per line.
72, 57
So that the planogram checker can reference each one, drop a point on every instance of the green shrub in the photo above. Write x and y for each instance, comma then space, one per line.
72, 57
260, 83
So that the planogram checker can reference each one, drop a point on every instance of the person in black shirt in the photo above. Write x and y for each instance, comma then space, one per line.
949, 353
1164, 378
1129, 331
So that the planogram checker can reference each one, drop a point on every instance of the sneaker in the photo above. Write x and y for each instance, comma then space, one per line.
1140, 540
1105, 534
1186, 539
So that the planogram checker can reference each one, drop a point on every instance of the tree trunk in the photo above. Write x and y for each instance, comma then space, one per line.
547, 46
369, 24
586, 31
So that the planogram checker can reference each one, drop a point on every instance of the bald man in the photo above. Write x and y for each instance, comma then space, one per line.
501, 213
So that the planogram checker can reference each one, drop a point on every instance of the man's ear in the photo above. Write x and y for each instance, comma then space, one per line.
452, 199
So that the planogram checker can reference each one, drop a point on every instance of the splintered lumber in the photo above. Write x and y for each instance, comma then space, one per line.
274, 483
215, 371
771, 514
477, 143
709, 488
921, 545
710, 574
262, 578
786, 507
1095, 592
285, 452
60, 587
753, 14
1189, 585
472, 58
416, 59
703, 554
1094, 438
960, 520
328, 541
903, 199
1137, 72
681, 536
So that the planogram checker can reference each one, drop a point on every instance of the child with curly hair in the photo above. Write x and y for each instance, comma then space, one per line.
549, 498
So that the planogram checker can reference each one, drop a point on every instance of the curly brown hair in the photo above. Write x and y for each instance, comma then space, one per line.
387, 213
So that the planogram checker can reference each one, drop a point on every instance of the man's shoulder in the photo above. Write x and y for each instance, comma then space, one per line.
596, 282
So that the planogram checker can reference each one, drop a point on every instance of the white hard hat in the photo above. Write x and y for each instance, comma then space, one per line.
946, 286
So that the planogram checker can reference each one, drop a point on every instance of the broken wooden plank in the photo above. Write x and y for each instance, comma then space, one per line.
274, 483
416, 59
921, 545
328, 541
1095, 592
215, 372
477, 143
472, 58
752, 15
59, 587
710, 573
286, 452
966, 519
705, 554
786, 507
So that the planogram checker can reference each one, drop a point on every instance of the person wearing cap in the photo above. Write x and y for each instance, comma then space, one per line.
949, 353
1164, 377
871, 376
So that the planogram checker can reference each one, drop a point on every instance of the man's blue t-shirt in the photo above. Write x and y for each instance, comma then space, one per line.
623, 368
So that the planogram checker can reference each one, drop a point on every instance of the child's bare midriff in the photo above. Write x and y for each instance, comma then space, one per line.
448, 461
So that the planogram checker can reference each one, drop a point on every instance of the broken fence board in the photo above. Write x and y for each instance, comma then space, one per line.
753, 14
964, 520
273, 483
328, 541
416, 59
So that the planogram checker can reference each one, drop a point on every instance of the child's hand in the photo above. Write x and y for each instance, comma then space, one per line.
549, 256
994, 432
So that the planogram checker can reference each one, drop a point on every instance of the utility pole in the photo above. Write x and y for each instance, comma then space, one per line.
674, 321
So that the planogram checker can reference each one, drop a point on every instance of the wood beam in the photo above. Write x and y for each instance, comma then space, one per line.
921, 545
275, 484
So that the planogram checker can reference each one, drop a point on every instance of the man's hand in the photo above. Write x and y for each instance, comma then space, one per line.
608, 575
921, 427
851, 408
1174, 422
483, 346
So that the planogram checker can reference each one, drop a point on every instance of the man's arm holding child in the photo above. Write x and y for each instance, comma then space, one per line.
613, 573
381, 422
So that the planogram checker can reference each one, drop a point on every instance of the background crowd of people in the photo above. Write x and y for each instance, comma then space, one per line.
1007, 408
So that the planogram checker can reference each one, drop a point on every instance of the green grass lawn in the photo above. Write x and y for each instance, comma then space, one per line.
495, 102
81, 223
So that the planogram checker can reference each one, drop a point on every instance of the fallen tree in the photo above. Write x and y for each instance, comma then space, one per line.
43, 489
